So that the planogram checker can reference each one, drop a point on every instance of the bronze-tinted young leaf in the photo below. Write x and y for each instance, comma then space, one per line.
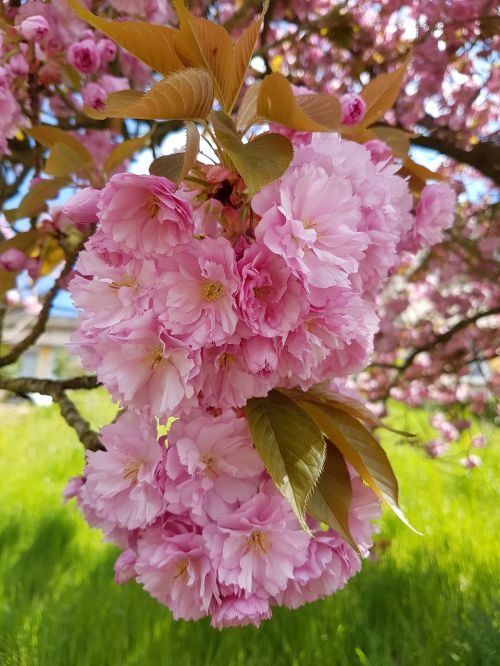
381, 93
420, 171
397, 140
48, 136
25, 242
259, 161
203, 43
247, 112
314, 113
291, 447
153, 44
63, 161
36, 199
124, 150
331, 499
361, 450
176, 167
184, 95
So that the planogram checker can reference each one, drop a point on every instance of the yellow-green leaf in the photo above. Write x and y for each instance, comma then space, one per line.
247, 111
305, 113
184, 95
259, 161
361, 450
153, 44
243, 51
36, 199
124, 150
291, 447
331, 499
381, 93
48, 136
176, 167
63, 161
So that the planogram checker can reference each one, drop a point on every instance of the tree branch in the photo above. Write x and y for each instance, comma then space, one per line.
56, 389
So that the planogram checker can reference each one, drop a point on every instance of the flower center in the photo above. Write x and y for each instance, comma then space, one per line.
262, 292
212, 291
127, 281
209, 461
257, 541
181, 570
155, 358
226, 360
131, 471
153, 205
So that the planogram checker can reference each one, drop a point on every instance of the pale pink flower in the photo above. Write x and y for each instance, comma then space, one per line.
144, 215
310, 219
271, 299
81, 208
94, 96
72, 488
238, 610
174, 567
478, 441
196, 295
107, 50
211, 465
120, 481
258, 546
12, 260
353, 108
471, 461
435, 213
34, 28
125, 566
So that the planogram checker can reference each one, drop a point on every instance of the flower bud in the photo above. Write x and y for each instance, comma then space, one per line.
34, 28
12, 260
84, 56
81, 209
353, 108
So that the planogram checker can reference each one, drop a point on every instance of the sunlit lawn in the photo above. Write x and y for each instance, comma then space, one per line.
427, 600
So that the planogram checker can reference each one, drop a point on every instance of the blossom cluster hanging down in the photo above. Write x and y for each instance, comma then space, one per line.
192, 302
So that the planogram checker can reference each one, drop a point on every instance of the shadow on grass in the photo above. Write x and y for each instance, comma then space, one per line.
61, 608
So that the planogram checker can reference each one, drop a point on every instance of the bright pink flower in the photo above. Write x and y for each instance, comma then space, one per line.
353, 108
120, 481
34, 28
271, 299
12, 260
258, 546
81, 208
144, 215
196, 295
94, 96
310, 219
174, 567
211, 465
84, 56
240, 610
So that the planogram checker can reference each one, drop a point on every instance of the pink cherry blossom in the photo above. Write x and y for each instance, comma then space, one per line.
211, 465
84, 56
240, 610
120, 481
81, 208
353, 108
144, 214
197, 291
34, 28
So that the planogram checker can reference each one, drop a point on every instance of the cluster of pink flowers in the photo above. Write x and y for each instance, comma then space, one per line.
202, 526
194, 301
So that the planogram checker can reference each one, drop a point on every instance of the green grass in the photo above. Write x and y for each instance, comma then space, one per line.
427, 600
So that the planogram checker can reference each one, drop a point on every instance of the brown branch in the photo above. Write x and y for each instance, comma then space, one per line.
56, 389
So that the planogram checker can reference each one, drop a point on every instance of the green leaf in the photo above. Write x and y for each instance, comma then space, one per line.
361, 450
305, 113
382, 92
397, 140
291, 447
259, 161
247, 111
153, 44
36, 199
124, 150
176, 167
331, 499
63, 161
185, 95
